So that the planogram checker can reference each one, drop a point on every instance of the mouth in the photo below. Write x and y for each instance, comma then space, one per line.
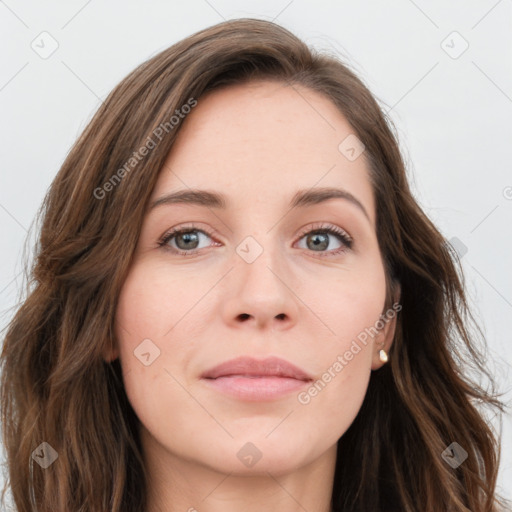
249, 379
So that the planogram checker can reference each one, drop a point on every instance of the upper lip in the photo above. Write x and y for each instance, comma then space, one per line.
270, 366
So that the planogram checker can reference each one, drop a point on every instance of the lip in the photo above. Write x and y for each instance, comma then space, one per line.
251, 379
250, 366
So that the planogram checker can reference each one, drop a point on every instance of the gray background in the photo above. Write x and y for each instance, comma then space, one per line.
452, 106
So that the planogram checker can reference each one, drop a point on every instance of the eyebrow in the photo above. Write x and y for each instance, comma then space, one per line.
303, 198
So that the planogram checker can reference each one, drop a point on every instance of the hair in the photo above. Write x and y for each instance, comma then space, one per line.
56, 387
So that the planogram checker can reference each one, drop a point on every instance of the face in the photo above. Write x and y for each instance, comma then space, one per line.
256, 275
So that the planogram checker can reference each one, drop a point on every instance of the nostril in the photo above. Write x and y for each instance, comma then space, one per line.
244, 316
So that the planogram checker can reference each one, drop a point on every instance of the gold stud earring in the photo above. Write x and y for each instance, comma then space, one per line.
383, 356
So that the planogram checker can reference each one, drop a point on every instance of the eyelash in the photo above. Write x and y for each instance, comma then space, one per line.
318, 228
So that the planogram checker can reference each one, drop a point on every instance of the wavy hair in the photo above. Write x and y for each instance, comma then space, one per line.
57, 388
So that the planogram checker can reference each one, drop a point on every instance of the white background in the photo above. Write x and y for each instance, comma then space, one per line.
453, 114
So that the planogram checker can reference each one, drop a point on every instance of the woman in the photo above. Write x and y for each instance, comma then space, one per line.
237, 304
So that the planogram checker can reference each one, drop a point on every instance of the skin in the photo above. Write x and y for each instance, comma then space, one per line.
258, 144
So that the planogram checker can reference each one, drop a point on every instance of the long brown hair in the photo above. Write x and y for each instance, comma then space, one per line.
57, 388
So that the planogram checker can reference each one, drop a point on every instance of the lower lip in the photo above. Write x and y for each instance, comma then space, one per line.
256, 388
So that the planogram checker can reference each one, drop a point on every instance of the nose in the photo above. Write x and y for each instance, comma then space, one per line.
261, 294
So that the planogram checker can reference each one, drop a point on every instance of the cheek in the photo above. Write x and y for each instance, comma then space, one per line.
149, 308
153, 300
331, 403
336, 395
349, 305
350, 308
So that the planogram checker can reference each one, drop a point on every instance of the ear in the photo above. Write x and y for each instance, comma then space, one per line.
384, 339
110, 352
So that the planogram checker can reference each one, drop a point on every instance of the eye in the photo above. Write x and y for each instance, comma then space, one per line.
184, 241
318, 239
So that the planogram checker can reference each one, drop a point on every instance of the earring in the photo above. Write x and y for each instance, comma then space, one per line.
383, 356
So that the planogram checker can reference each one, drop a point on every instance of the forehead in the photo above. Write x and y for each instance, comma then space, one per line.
261, 142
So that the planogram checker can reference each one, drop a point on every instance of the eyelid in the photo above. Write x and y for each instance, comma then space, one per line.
332, 229
326, 227
169, 234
